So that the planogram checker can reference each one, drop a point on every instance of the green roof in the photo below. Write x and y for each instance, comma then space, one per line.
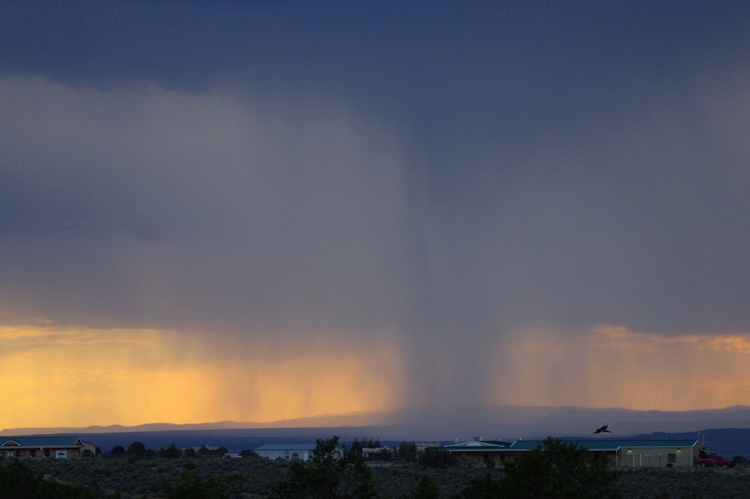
607, 444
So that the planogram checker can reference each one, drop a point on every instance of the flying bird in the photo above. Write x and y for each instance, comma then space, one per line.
603, 429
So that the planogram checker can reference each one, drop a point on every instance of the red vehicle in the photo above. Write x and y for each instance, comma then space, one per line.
708, 459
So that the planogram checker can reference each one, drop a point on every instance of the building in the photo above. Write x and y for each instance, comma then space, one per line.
624, 453
633, 453
481, 451
421, 446
45, 447
371, 453
291, 451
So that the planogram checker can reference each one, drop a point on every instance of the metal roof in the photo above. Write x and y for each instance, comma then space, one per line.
289, 447
40, 442
607, 445
479, 445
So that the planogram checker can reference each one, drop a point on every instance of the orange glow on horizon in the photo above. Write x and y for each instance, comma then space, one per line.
79, 377
614, 367
69, 377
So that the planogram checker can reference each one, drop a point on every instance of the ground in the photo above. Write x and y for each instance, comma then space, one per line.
253, 477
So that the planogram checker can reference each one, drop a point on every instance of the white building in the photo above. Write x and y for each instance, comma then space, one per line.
286, 451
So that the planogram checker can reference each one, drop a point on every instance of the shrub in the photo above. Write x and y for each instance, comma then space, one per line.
481, 488
136, 450
425, 489
192, 486
327, 475
559, 469
171, 452
436, 457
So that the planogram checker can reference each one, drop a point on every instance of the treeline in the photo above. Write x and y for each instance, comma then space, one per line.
404, 452
557, 470
137, 450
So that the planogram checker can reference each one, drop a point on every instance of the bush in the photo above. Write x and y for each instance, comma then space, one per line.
327, 475
192, 486
425, 489
481, 488
436, 457
17, 480
171, 452
137, 449
559, 469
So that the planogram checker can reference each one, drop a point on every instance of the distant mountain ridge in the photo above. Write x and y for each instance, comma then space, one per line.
504, 422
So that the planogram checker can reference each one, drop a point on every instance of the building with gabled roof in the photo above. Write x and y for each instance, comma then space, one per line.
292, 451
632, 453
623, 452
480, 451
58, 447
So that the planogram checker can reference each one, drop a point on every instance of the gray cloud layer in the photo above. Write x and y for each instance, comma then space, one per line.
448, 208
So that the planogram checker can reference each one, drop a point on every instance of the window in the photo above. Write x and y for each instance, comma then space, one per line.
32, 453
671, 458
46, 452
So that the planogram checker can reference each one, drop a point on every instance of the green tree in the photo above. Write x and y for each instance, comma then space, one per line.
481, 488
738, 459
189, 452
171, 452
328, 475
117, 451
436, 457
136, 449
559, 470
425, 489
407, 451
357, 445
192, 486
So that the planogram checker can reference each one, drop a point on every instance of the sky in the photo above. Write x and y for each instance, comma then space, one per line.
256, 211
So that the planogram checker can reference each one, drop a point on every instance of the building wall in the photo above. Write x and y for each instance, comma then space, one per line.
657, 457
49, 453
479, 457
628, 457
304, 455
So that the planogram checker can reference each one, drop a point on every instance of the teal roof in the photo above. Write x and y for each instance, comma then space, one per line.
40, 442
607, 444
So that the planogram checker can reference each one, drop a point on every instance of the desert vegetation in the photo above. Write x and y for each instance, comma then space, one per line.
559, 471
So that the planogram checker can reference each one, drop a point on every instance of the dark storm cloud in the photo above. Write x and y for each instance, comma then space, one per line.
450, 173
233, 207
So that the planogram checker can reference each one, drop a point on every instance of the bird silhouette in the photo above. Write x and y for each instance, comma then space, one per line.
603, 429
